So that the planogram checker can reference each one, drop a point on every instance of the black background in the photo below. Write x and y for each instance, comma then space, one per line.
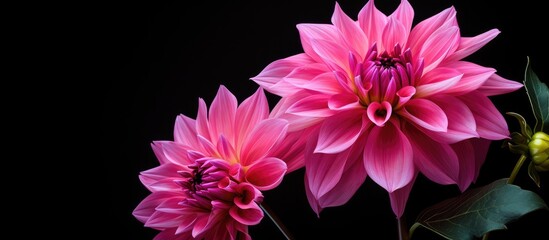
161, 57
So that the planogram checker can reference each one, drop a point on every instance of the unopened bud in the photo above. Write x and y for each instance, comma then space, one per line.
539, 150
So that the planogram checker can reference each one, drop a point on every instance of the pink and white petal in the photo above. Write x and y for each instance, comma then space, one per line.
372, 21
277, 70
496, 85
437, 161
159, 152
315, 105
437, 47
311, 198
423, 30
393, 33
350, 31
438, 80
399, 198
387, 157
266, 173
467, 163
473, 77
469, 45
335, 56
250, 113
323, 171
208, 148
261, 140
405, 14
292, 149
340, 131
325, 83
297, 122
250, 216
426, 114
461, 122
162, 220
490, 123
308, 32
225, 148
222, 114
303, 75
344, 101
147, 206
169, 234
175, 153
202, 125
185, 131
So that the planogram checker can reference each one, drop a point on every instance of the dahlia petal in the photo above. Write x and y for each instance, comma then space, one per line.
441, 44
426, 114
324, 171
175, 152
467, 166
225, 148
496, 85
202, 125
387, 157
423, 30
344, 101
332, 54
374, 108
490, 123
171, 205
350, 31
372, 21
461, 121
303, 75
147, 206
164, 171
208, 148
400, 196
315, 105
162, 220
405, 14
275, 71
393, 33
185, 131
250, 113
250, 216
169, 234
481, 151
469, 45
200, 225
324, 83
292, 149
405, 94
222, 114
262, 138
159, 152
308, 32
297, 122
340, 131
267, 173
311, 198
438, 80
246, 194
473, 77
437, 161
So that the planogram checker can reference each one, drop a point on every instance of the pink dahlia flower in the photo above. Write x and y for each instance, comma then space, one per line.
389, 101
209, 182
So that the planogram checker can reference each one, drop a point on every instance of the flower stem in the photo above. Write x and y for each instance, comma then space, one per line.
516, 169
276, 221
402, 229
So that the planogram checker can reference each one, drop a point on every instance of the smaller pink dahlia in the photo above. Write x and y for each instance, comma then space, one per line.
209, 182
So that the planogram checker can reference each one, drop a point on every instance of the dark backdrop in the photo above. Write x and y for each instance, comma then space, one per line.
161, 57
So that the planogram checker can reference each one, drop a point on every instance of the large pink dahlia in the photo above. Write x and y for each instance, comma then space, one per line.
389, 101
209, 182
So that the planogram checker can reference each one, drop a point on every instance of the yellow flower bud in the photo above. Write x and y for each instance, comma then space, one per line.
539, 150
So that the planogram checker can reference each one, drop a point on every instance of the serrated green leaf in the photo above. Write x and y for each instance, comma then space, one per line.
538, 94
478, 211
533, 173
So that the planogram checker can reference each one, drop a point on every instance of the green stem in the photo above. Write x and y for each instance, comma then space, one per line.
516, 169
402, 229
276, 221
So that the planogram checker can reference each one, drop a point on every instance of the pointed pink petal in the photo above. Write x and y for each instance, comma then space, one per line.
344, 101
404, 95
400, 196
350, 31
175, 153
315, 105
292, 148
161, 220
199, 225
308, 32
303, 75
387, 157
474, 76
423, 30
262, 139
325, 83
147, 206
313, 202
426, 114
222, 114
437, 161
185, 131
438, 80
490, 123
202, 125
394, 33
250, 216
467, 163
496, 85
340, 131
159, 152
297, 122
441, 44
275, 71
225, 149
378, 113
267, 173
208, 148
469, 45
372, 21
169, 234
246, 194
250, 113
335, 56
152, 176
405, 14
461, 122
324, 171
481, 151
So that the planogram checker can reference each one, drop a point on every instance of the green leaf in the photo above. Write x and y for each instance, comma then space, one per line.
538, 93
478, 211
533, 173
524, 128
